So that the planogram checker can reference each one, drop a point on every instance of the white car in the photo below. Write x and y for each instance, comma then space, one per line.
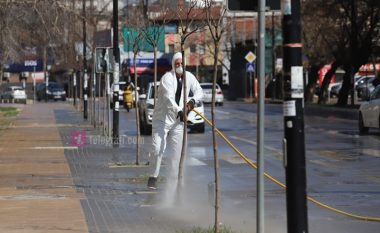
369, 112
14, 92
207, 94
146, 108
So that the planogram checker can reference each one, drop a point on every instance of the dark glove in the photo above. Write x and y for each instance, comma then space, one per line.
180, 115
190, 106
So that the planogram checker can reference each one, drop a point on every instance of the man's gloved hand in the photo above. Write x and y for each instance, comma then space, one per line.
190, 106
180, 115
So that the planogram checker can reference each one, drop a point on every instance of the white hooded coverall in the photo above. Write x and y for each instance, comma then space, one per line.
167, 129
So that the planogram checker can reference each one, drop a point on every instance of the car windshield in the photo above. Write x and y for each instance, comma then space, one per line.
55, 86
209, 86
206, 86
151, 94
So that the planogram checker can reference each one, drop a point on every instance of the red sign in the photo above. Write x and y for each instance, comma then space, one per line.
322, 73
368, 69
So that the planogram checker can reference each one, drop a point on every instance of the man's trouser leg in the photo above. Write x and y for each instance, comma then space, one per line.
159, 134
174, 146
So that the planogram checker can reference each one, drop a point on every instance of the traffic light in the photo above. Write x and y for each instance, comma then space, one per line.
251, 5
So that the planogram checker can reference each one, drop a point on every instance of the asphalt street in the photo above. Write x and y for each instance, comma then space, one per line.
342, 171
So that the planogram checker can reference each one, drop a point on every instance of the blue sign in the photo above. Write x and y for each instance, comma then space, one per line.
250, 67
17, 67
144, 62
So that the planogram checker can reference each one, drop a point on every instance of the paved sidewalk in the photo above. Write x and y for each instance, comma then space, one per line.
37, 193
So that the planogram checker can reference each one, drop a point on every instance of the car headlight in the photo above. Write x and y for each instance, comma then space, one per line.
150, 106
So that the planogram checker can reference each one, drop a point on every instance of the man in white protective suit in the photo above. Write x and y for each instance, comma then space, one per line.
167, 123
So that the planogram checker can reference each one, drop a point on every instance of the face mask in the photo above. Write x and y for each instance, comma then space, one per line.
179, 70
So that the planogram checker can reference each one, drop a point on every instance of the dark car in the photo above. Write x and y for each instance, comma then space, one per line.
335, 89
54, 92
364, 86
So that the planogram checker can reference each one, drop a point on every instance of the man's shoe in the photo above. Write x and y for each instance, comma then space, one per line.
152, 183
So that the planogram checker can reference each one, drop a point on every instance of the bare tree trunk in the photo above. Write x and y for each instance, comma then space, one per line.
310, 88
155, 75
1, 75
214, 142
137, 113
344, 91
184, 139
44, 69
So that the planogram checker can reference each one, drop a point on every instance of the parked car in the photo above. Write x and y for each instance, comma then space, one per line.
335, 89
369, 112
146, 109
207, 94
14, 92
55, 91
364, 86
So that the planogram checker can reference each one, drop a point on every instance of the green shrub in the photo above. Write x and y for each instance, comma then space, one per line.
8, 111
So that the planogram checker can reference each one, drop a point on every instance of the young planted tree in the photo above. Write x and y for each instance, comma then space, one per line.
217, 27
153, 34
134, 41
186, 16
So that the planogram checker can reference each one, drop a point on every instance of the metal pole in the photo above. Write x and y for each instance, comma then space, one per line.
75, 87
294, 141
105, 105
34, 84
85, 97
99, 96
94, 95
353, 48
251, 86
109, 132
116, 54
260, 120
273, 59
47, 86
84, 62
46, 74
94, 99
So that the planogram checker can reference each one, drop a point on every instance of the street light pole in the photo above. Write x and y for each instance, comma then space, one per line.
116, 54
294, 140
84, 62
260, 118
273, 59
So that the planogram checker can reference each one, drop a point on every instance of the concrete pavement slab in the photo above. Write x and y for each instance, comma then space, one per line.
37, 193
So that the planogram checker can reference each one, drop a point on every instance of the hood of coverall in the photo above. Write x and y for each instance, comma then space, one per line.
176, 56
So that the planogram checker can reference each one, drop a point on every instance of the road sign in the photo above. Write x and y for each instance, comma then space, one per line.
250, 57
250, 67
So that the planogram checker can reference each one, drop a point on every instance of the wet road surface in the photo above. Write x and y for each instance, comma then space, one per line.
342, 171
